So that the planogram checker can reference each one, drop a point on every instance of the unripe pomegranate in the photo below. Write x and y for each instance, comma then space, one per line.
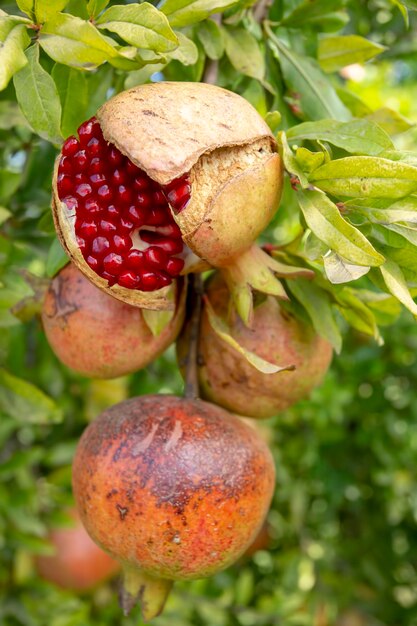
164, 169
228, 379
174, 488
78, 563
97, 335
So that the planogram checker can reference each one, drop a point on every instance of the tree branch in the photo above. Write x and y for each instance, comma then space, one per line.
260, 10
211, 71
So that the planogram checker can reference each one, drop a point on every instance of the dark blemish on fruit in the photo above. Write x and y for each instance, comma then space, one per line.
112, 493
123, 510
226, 126
151, 113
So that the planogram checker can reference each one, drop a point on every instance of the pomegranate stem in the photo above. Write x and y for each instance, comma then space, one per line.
150, 592
195, 293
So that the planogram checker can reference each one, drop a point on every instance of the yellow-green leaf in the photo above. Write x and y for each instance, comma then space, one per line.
340, 50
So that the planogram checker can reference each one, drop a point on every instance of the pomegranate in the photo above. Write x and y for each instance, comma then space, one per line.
168, 178
174, 488
97, 335
78, 563
229, 380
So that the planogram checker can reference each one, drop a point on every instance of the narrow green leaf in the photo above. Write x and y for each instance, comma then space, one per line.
317, 96
186, 53
358, 136
140, 25
353, 102
223, 331
12, 55
339, 271
46, 9
395, 281
341, 50
391, 121
184, 12
365, 176
25, 402
290, 162
38, 97
324, 219
56, 260
244, 52
316, 302
72, 41
73, 93
211, 37
95, 7
157, 321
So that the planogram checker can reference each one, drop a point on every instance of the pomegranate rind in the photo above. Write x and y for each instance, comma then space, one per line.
176, 487
64, 220
165, 127
229, 380
99, 336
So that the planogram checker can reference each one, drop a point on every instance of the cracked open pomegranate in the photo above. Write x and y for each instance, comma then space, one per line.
168, 178
276, 335
99, 336
78, 563
174, 488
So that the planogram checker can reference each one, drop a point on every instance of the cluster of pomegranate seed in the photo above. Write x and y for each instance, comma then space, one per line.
124, 226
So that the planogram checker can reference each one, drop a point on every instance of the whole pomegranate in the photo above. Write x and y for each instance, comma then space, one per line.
174, 488
275, 335
97, 335
78, 563
168, 178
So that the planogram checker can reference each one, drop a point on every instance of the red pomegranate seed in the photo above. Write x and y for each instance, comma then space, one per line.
156, 258
88, 230
172, 230
177, 195
83, 190
71, 203
118, 177
129, 280
164, 280
174, 266
132, 169
70, 146
87, 130
96, 180
95, 147
141, 183
134, 259
113, 212
143, 200
112, 280
65, 166
93, 263
107, 227
100, 247
121, 243
149, 281
115, 157
157, 217
137, 215
97, 166
113, 263
126, 225
91, 206
64, 184
124, 195
80, 160
82, 245
171, 246
158, 198
105, 193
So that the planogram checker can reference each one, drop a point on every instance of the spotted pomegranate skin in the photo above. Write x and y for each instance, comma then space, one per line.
124, 226
97, 335
176, 487
78, 563
275, 335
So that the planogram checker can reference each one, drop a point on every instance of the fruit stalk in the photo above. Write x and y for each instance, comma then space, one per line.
150, 592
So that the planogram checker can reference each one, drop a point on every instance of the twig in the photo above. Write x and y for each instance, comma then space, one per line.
195, 293
211, 70
261, 9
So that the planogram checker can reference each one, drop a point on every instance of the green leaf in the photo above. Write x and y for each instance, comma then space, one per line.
73, 93
25, 402
157, 321
365, 176
357, 137
72, 41
391, 121
341, 50
324, 219
9, 183
27, 6
405, 156
56, 260
316, 302
46, 9
187, 51
223, 331
353, 102
356, 313
339, 271
317, 96
244, 52
95, 7
5, 214
12, 55
11, 115
290, 162
395, 281
38, 97
308, 12
141, 25
184, 12
211, 37
309, 161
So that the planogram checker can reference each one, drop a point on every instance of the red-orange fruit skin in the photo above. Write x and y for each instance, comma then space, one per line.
176, 487
228, 379
78, 563
97, 335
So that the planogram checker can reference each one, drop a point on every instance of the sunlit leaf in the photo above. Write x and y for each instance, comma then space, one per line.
341, 50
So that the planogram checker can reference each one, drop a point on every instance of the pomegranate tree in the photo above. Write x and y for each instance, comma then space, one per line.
78, 563
174, 488
167, 178
276, 335
99, 336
